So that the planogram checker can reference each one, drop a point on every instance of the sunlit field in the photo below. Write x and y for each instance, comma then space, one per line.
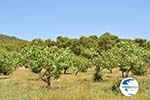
24, 85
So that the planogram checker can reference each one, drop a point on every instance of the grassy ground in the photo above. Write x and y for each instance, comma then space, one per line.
23, 85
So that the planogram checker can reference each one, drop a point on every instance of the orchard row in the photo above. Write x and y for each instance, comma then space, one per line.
50, 61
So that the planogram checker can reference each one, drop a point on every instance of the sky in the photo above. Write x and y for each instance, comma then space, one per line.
28, 19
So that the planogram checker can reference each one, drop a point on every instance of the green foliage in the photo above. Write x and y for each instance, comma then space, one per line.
141, 42
109, 60
104, 60
52, 60
97, 62
36, 69
12, 44
37, 42
147, 46
138, 71
89, 53
80, 64
107, 41
7, 62
88, 42
65, 59
49, 43
76, 47
49, 58
8, 39
63, 42
131, 57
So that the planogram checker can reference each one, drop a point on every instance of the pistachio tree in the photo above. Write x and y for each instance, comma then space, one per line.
65, 59
48, 62
8, 62
80, 64
130, 58
109, 59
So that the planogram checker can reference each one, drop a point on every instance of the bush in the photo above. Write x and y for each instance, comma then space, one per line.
138, 71
7, 70
36, 69
115, 86
7, 62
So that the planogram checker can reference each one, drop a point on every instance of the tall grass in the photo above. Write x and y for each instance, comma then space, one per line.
22, 85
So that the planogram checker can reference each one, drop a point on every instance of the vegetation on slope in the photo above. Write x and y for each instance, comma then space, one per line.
53, 59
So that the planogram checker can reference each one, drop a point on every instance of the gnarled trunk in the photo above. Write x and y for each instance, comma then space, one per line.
46, 77
76, 72
65, 70
97, 75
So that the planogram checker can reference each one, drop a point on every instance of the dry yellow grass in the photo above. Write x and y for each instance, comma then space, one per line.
23, 85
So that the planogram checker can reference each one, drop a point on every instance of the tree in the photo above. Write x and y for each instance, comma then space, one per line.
14, 46
104, 60
107, 41
8, 62
76, 47
80, 64
37, 42
48, 62
89, 53
147, 45
141, 42
94, 60
63, 42
97, 62
65, 59
130, 57
48, 42
109, 59
88, 42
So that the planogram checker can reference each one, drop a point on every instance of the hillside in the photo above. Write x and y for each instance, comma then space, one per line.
12, 43
7, 39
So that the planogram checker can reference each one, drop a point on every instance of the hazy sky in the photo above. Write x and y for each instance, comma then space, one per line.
30, 19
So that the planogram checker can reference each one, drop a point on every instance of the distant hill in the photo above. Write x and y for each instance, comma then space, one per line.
8, 39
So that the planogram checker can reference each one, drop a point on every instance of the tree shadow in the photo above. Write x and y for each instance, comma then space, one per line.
4, 77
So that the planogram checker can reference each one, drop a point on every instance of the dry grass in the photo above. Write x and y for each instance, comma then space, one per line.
23, 85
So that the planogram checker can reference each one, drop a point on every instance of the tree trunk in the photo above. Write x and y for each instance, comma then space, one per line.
97, 75
123, 74
110, 71
46, 77
76, 72
65, 70
49, 79
48, 83
127, 73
